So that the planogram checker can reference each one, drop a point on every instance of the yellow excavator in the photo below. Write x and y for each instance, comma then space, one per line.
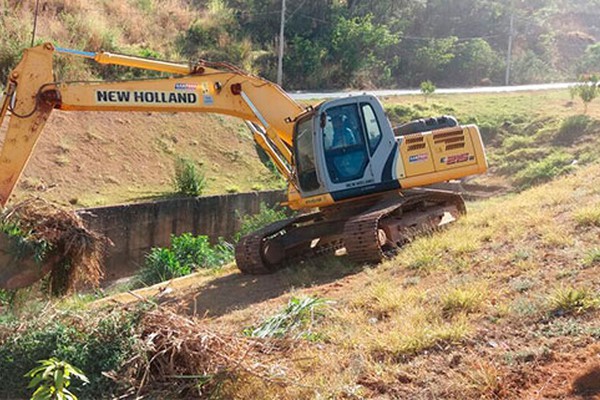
362, 183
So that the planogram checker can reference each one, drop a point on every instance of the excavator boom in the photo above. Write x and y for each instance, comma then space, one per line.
32, 94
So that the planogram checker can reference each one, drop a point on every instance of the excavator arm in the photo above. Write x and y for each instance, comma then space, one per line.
220, 88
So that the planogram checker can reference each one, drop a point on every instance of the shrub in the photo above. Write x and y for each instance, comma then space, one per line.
555, 164
572, 128
427, 89
188, 180
266, 215
97, 346
187, 254
587, 89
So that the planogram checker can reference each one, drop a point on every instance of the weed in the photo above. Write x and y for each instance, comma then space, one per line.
462, 300
188, 180
52, 379
187, 254
485, 380
521, 284
296, 320
592, 258
562, 327
588, 216
232, 189
572, 301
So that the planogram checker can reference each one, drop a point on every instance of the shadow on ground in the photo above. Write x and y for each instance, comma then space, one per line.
237, 291
587, 385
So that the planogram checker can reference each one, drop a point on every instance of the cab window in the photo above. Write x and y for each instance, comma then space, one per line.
305, 156
372, 126
344, 143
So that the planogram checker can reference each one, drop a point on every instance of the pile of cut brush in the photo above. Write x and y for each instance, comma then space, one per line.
38, 238
187, 359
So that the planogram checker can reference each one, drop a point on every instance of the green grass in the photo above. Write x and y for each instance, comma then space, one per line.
572, 301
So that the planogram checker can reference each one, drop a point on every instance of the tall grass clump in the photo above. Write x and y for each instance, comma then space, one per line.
572, 128
295, 320
188, 253
555, 164
188, 179
572, 301
588, 216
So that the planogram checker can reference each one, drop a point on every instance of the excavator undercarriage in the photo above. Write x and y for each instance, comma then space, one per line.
367, 231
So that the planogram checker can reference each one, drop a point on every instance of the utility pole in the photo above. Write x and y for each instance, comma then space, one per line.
37, 3
510, 40
281, 43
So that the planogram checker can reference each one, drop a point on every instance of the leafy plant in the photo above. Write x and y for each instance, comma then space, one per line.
587, 89
188, 179
52, 379
297, 317
96, 343
427, 89
265, 216
187, 254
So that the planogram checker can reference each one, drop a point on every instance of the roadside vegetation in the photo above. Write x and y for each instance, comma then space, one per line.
340, 44
187, 254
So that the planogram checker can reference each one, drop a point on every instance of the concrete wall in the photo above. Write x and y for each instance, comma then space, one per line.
136, 228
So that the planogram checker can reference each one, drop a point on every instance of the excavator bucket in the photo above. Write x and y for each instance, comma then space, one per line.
18, 267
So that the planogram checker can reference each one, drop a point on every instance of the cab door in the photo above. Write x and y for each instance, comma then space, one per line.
354, 146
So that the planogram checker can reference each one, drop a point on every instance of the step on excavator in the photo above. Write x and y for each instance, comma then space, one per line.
361, 184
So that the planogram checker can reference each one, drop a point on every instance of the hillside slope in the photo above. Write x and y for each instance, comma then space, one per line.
86, 159
504, 304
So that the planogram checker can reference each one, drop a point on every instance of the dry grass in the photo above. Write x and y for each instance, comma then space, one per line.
187, 357
73, 253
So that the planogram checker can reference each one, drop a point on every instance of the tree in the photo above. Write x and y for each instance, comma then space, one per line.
427, 89
587, 89
358, 44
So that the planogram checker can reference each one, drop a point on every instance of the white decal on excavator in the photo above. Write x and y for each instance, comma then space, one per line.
145, 97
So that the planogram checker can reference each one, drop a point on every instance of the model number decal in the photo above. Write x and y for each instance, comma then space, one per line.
458, 158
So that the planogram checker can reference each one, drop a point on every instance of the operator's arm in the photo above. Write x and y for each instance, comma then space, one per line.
32, 94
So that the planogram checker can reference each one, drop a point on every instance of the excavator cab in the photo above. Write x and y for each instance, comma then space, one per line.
345, 148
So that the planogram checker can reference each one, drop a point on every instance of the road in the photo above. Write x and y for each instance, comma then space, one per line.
301, 95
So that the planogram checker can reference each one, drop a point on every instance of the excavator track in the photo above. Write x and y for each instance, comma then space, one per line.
368, 233
379, 232
249, 250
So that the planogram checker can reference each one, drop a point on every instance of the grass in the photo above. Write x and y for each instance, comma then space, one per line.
296, 320
572, 301
591, 258
588, 216
466, 300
